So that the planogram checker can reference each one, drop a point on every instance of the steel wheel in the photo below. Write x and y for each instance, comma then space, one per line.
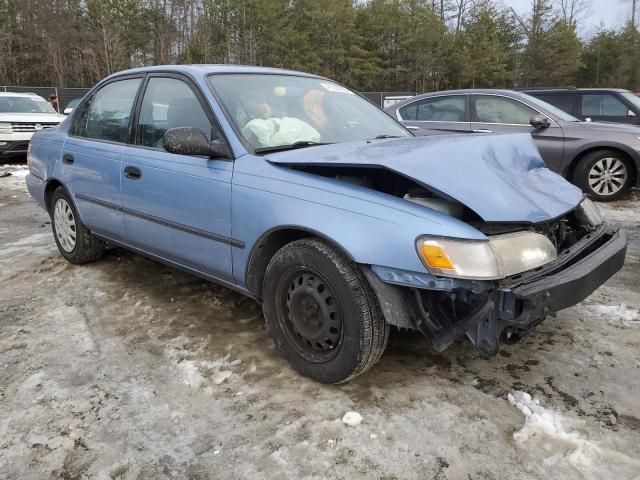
65, 225
608, 176
312, 315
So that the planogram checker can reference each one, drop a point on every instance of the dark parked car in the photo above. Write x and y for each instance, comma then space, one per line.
594, 104
601, 158
297, 192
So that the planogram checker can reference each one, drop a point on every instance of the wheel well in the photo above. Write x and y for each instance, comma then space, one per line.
49, 189
266, 247
581, 155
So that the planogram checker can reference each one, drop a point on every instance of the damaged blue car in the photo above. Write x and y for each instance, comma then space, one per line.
296, 191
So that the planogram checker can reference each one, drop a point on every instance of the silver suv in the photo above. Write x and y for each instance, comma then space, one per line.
21, 114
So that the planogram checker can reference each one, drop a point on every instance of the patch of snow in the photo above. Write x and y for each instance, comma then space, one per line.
549, 442
220, 377
353, 419
20, 173
623, 314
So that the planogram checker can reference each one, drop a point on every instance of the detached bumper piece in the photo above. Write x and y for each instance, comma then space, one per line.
519, 303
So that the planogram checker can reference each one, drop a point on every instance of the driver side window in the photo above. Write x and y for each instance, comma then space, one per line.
169, 103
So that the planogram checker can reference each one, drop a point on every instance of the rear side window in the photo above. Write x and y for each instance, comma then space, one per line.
603, 105
169, 103
562, 101
437, 109
106, 116
494, 109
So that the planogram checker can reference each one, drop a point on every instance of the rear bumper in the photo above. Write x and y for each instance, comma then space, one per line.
36, 187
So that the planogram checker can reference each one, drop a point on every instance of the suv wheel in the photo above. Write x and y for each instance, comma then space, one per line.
322, 313
75, 241
604, 174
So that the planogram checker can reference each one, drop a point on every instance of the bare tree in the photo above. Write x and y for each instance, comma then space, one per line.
574, 11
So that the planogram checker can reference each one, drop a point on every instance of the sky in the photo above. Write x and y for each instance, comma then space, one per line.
613, 13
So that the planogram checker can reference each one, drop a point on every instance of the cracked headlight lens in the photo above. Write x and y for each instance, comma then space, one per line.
498, 257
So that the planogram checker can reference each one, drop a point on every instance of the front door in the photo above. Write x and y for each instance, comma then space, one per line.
92, 155
500, 114
177, 206
440, 115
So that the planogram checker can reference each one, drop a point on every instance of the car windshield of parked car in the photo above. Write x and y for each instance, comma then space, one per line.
632, 99
286, 111
561, 114
25, 105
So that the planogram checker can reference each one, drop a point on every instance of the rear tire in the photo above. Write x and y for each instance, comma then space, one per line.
321, 312
604, 174
75, 242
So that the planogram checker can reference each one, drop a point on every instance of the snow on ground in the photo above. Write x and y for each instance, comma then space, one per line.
548, 435
126, 369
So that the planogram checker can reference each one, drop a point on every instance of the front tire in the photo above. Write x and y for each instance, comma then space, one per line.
604, 174
321, 312
75, 242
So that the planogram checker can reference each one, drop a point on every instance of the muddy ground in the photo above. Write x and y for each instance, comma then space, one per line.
128, 369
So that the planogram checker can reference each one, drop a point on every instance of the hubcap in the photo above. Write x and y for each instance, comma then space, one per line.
65, 225
312, 315
607, 176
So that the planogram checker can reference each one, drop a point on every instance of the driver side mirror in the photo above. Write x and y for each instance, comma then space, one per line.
193, 141
540, 121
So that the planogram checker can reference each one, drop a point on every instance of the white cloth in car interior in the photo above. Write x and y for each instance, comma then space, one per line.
272, 132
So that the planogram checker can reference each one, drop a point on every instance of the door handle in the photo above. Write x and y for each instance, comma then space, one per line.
482, 130
68, 158
132, 173
411, 127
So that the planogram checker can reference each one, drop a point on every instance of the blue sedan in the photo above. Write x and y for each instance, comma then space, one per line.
295, 191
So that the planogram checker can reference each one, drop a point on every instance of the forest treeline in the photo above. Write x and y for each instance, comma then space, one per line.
374, 45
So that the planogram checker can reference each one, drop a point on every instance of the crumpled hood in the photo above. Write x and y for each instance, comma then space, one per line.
501, 177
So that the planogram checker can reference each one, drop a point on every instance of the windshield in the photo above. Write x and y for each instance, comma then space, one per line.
561, 114
25, 105
272, 111
632, 99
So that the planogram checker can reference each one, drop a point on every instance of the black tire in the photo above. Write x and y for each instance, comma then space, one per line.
87, 248
591, 165
320, 352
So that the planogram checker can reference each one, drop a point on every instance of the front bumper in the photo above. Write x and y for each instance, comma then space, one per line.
512, 307
13, 148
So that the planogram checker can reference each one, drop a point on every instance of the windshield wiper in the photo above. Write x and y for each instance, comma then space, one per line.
292, 146
386, 136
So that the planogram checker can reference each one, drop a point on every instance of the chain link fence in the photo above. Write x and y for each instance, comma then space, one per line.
64, 94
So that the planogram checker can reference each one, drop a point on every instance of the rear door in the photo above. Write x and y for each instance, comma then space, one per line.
438, 115
177, 206
92, 155
607, 107
492, 113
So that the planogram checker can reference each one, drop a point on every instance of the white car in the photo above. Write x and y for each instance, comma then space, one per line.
21, 114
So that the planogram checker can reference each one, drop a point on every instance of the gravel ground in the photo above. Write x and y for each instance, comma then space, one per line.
128, 369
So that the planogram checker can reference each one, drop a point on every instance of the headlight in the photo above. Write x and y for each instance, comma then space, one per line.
5, 128
499, 257
589, 212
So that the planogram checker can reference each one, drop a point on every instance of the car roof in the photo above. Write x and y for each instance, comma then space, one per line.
206, 69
